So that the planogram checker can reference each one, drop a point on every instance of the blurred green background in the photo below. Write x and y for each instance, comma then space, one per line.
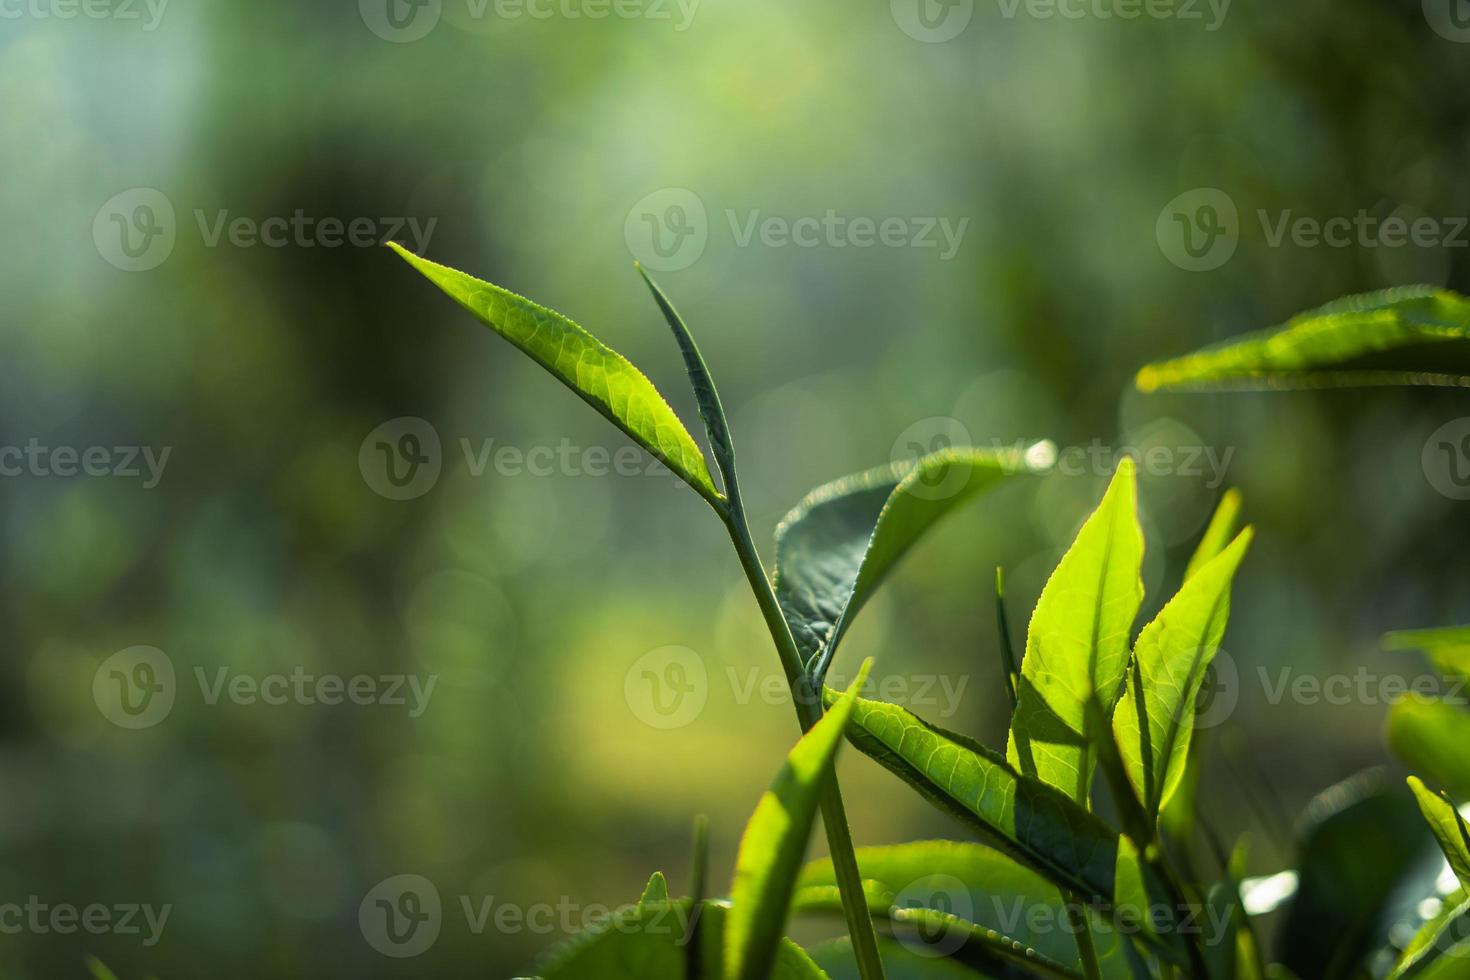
547, 151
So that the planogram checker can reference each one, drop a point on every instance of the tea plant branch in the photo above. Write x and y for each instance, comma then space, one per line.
1086, 949
804, 694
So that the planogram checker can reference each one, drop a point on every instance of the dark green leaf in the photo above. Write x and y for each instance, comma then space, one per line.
1351, 893
834, 548
710, 410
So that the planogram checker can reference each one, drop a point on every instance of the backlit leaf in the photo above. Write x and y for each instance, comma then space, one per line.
600, 375
1154, 720
1077, 644
1341, 344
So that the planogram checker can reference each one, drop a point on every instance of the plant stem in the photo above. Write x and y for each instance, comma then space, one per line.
808, 705
1086, 950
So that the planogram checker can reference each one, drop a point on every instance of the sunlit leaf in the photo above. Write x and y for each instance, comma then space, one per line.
1438, 950
1077, 644
1339, 344
836, 546
1035, 824
600, 375
1219, 533
775, 839
1155, 718
1447, 826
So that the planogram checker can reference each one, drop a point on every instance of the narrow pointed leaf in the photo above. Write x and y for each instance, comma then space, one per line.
1348, 342
1448, 828
1220, 532
991, 901
1178, 814
1439, 949
775, 839
716, 427
1035, 824
1077, 644
1154, 720
836, 546
1007, 650
598, 374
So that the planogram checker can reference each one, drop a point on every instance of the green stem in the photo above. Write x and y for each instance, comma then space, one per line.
808, 705
1086, 949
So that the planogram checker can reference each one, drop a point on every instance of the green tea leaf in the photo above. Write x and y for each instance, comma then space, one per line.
1219, 533
1448, 828
601, 376
1038, 826
1154, 720
992, 899
1438, 950
1077, 644
1333, 345
1429, 738
647, 942
716, 427
834, 548
775, 839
